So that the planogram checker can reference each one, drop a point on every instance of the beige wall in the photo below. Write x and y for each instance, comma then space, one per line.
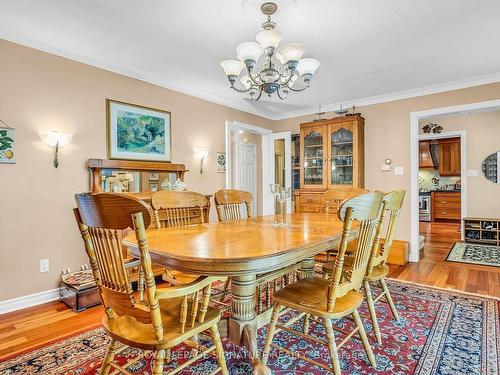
482, 139
40, 92
387, 135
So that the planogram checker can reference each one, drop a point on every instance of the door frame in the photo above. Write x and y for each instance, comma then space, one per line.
415, 117
462, 134
236, 126
254, 172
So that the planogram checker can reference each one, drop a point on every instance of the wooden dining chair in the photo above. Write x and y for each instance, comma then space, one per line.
233, 204
176, 209
171, 315
336, 298
378, 268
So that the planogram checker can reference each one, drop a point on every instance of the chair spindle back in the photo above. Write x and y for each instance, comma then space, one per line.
365, 210
178, 208
230, 203
101, 218
392, 203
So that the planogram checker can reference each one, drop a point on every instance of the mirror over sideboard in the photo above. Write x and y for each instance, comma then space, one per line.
125, 176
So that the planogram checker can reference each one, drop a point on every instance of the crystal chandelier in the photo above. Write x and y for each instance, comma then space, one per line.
281, 69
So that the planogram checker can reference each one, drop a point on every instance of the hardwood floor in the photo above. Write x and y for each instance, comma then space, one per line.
435, 271
45, 323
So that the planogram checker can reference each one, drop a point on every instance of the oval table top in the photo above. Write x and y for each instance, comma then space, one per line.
247, 246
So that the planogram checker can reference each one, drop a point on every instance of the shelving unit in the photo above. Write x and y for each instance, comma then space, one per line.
482, 230
331, 157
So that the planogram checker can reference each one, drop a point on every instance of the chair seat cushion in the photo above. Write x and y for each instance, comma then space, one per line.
132, 332
309, 296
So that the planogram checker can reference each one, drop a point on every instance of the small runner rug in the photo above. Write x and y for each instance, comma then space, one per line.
439, 332
486, 255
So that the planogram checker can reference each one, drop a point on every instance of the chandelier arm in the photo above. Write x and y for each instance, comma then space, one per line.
242, 90
279, 95
252, 78
258, 97
290, 76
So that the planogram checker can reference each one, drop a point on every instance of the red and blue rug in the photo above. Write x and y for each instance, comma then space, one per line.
439, 332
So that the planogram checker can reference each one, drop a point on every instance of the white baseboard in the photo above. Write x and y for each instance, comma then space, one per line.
19, 303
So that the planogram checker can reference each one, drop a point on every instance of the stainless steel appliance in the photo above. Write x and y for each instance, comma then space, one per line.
424, 206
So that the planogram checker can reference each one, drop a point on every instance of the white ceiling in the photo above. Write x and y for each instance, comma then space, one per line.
369, 50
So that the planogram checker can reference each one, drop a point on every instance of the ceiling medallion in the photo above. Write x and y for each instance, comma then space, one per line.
269, 69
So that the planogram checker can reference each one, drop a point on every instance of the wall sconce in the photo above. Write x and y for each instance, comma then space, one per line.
200, 153
56, 140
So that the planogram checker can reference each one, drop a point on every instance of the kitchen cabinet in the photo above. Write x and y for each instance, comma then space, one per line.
446, 205
449, 157
424, 155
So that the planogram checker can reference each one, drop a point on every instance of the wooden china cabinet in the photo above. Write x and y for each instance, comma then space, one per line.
331, 156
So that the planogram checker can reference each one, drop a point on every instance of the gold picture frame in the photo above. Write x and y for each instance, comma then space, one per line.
151, 127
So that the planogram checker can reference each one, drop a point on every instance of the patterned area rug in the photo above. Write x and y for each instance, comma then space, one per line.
439, 332
486, 255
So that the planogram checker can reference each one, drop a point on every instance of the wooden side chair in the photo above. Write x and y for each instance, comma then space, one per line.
176, 209
378, 268
230, 203
336, 298
170, 316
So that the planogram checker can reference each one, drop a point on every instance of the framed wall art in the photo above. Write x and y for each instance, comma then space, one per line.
221, 162
137, 133
7, 144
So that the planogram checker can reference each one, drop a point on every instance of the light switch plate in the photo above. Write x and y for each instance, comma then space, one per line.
472, 173
399, 171
385, 168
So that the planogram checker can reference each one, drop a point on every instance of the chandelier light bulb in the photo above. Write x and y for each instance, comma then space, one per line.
269, 38
232, 67
307, 66
292, 52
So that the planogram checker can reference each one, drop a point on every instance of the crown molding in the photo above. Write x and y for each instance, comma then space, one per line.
400, 95
40, 43
50, 46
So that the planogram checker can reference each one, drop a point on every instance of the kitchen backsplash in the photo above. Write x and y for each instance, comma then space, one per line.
429, 179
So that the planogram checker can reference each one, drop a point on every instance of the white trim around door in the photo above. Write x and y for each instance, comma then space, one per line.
236, 126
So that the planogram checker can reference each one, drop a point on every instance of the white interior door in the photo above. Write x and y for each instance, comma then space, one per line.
247, 171
280, 161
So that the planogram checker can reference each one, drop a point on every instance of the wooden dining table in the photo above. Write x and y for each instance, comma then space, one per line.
241, 250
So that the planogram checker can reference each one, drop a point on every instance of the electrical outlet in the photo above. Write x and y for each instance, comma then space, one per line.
44, 265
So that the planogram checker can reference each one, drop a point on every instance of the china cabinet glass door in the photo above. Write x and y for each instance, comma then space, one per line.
314, 156
341, 156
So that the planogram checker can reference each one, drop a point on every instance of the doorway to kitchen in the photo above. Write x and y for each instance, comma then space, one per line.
481, 142
442, 199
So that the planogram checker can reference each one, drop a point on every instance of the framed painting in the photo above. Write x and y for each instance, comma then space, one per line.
137, 133
221, 162
7, 146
